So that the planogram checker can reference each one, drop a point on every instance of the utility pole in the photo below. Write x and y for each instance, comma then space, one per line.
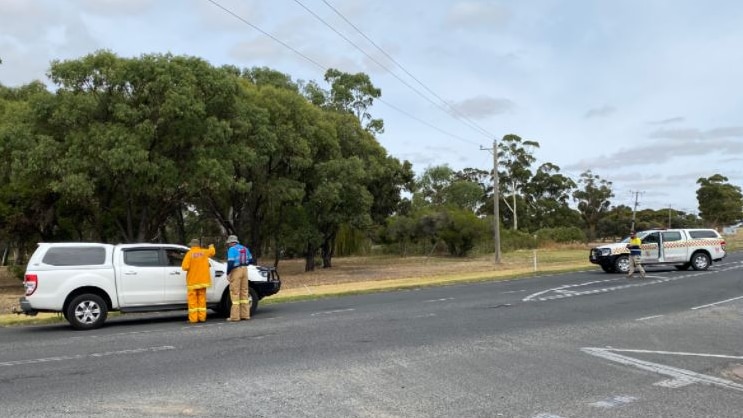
669, 216
634, 209
496, 198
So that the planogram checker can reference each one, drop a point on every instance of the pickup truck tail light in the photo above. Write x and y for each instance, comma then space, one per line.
723, 244
31, 282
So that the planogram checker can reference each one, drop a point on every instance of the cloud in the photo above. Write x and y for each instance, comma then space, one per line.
480, 107
473, 14
690, 133
667, 121
602, 111
684, 143
117, 8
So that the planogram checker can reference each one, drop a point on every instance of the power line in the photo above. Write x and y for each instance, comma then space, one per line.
418, 92
324, 68
284, 44
471, 124
426, 123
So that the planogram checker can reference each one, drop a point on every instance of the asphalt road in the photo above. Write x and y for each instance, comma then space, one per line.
586, 344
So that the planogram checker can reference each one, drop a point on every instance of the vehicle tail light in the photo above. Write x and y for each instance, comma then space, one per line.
723, 244
31, 282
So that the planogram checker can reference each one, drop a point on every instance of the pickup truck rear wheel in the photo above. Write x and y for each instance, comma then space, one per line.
621, 264
700, 261
86, 311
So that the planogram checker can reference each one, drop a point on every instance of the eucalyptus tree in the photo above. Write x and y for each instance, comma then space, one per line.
515, 159
593, 196
720, 203
547, 195
125, 137
28, 211
354, 93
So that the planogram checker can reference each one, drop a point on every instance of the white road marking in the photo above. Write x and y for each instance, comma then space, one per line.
674, 353
716, 303
333, 312
92, 355
673, 383
673, 372
438, 300
614, 402
547, 416
569, 290
514, 291
648, 317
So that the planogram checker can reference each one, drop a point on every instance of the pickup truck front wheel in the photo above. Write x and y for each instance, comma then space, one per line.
253, 300
86, 311
223, 310
621, 264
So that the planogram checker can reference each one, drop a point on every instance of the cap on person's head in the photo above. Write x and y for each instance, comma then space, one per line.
194, 243
232, 239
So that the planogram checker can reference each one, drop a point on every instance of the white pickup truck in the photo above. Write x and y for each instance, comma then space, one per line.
85, 281
681, 248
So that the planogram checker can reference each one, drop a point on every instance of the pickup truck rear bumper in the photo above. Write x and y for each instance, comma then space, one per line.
25, 308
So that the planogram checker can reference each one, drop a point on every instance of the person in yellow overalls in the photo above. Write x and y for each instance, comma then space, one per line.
198, 279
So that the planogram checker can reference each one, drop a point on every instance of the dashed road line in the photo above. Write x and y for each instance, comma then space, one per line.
437, 300
92, 355
333, 312
709, 305
614, 402
649, 317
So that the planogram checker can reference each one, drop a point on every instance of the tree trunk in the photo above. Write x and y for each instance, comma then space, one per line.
309, 258
328, 249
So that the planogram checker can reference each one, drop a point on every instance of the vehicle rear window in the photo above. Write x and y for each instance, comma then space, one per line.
143, 257
75, 256
703, 233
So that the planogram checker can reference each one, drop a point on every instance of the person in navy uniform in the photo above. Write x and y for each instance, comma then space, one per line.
635, 253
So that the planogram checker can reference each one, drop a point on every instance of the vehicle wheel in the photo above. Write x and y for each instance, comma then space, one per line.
253, 300
683, 267
607, 268
87, 311
223, 309
700, 261
621, 264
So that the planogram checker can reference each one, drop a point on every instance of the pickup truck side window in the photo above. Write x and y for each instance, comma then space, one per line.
174, 256
75, 256
703, 233
651, 238
671, 236
145, 257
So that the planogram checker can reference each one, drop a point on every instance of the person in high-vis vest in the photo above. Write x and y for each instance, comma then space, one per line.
238, 258
635, 253
198, 279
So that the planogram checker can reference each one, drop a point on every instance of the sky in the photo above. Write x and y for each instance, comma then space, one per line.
646, 94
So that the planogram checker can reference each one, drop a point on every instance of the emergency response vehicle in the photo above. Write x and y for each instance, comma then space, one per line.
85, 281
681, 248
